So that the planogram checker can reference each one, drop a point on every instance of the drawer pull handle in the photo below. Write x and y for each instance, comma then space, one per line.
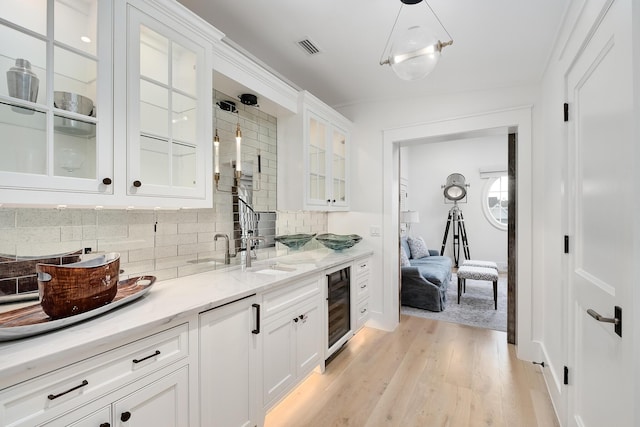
125, 416
55, 396
364, 310
157, 353
256, 331
363, 286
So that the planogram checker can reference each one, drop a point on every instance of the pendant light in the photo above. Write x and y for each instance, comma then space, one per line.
414, 51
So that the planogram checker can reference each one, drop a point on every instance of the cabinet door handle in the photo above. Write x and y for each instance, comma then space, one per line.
137, 183
55, 396
157, 353
363, 311
295, 319
107, 181
105, 425
363, 286
125, 416
256, 331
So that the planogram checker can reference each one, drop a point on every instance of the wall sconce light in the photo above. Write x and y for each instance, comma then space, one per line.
216, 167
415, 51
238, 150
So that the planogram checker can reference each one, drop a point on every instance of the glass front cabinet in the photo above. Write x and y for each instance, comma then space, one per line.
314, 146
105, 102
56, 100
327, 164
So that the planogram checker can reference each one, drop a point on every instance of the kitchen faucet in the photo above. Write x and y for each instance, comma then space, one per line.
227, 256
248, 243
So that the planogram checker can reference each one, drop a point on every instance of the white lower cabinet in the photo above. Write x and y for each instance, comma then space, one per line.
149, 378
360, 292
164, 402
228, 346
292, 340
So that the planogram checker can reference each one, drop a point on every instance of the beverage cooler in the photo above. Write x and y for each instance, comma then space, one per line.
339, 328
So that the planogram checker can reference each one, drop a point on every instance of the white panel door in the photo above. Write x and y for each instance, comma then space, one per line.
227, 365
278, 363
308, 339
163, 403
599, 88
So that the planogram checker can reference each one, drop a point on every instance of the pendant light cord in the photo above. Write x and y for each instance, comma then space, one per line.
437, 19
386, 61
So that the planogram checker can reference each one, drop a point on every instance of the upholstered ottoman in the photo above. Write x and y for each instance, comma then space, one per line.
478, 273
477, 263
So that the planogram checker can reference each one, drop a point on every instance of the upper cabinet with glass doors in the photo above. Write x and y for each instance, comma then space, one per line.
168, 107
314, 158
105, 102
56, 98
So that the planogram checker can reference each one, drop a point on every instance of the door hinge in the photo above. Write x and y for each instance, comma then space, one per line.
566, 244
566, 112
566, 376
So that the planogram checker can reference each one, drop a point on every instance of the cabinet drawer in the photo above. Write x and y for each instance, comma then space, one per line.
362, 313
361, 267
66, 388
362, 287
276, 301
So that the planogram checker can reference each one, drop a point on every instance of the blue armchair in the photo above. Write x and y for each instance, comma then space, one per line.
425, 281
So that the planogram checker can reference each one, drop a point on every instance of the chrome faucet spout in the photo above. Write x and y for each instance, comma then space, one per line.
227, 256
248, 243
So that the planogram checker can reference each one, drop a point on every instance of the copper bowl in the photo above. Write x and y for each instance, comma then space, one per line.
69, 289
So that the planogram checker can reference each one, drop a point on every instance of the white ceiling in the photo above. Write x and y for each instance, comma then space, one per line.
497, 43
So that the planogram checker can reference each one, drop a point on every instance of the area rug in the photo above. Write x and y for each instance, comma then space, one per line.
475, 308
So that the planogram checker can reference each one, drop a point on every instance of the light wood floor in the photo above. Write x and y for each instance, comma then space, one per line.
425, 373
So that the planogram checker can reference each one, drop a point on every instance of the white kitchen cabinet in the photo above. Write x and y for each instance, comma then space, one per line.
146, 65
56, 103
360, 292
315, 172
164, 402
228, 363
164, 68
126, 378
292, 339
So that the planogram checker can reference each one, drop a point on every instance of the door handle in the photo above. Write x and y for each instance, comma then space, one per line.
616, 320
256, 331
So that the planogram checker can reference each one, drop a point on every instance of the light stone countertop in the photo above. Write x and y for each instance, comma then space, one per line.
166, 301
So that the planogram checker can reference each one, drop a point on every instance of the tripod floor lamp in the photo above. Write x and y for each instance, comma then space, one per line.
455, 190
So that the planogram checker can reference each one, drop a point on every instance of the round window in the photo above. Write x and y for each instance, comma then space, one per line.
495, 201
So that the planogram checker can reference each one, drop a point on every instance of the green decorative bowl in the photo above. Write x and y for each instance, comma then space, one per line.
294, 241
338, 242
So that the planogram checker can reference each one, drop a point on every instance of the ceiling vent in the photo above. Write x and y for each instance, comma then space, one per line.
308, 46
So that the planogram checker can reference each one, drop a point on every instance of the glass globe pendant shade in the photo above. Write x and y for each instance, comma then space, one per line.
414, 53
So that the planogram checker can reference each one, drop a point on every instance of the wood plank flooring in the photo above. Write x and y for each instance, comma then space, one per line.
426, 373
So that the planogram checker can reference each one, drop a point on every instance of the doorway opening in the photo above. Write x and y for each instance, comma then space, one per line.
481, 158
517, 120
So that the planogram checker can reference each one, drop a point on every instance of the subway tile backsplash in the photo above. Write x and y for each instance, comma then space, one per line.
166, 244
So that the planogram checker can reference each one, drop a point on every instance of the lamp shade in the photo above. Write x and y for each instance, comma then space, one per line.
414, 53
409, 217
455, 189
